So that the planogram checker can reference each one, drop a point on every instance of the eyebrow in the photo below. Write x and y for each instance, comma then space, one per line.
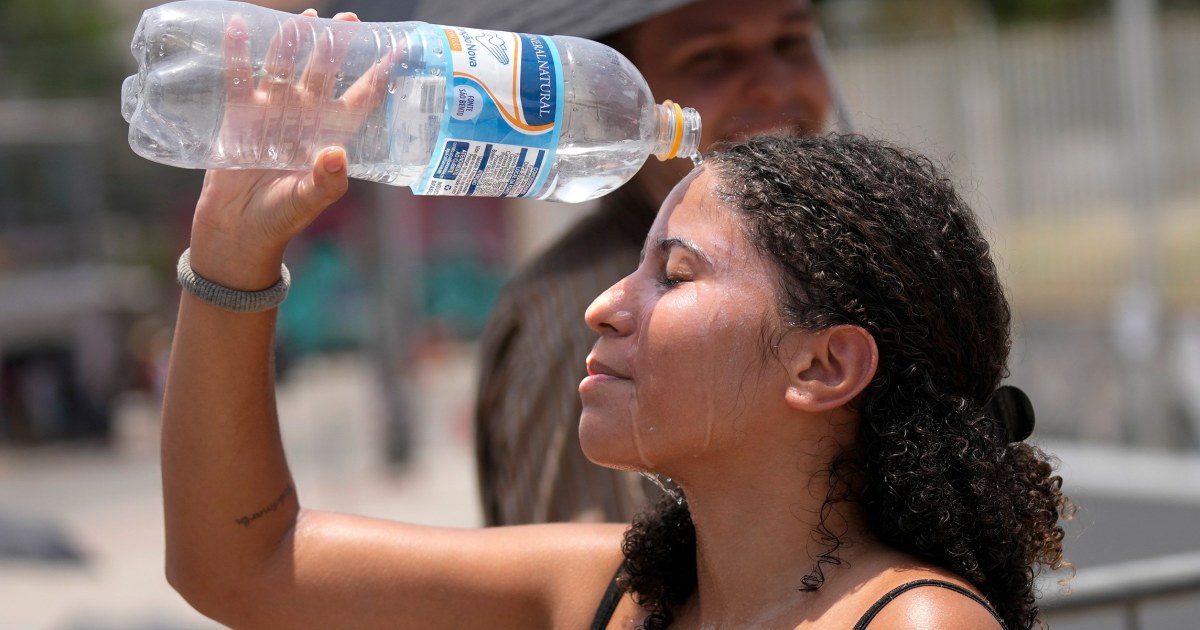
665, 245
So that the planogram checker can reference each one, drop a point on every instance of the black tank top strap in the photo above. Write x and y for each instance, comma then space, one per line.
868, 616
608, 605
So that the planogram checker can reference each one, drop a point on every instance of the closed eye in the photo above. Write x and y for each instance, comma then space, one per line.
667, 281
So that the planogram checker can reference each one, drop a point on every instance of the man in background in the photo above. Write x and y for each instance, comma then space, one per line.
747, 67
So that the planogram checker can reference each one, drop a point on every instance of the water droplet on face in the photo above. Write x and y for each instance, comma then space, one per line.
391, 88
404, 65
237, 81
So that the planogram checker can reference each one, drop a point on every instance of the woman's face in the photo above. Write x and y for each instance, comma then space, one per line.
680, 367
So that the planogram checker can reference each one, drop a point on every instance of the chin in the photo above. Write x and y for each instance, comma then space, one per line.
604, 444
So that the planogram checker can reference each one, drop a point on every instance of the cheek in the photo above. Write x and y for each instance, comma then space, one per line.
812, 85
717, 104
697, 375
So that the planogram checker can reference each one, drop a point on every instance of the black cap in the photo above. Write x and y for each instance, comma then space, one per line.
592, 19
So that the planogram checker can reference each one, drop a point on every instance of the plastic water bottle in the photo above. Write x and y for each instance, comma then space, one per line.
444, 110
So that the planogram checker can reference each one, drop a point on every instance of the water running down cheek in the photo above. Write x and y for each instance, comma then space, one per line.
637, 433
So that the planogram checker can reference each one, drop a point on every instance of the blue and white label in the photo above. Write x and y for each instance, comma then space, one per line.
503, 115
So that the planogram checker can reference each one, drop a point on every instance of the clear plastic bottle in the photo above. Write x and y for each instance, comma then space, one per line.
444, 110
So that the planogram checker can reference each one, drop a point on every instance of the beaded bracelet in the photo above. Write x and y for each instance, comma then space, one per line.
232, 299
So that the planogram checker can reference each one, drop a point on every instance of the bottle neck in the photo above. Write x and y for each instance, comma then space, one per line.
678, 132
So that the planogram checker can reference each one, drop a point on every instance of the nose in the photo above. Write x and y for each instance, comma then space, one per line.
609, 313
770, 81
788, 89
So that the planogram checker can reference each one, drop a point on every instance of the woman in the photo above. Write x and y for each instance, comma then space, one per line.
806, 348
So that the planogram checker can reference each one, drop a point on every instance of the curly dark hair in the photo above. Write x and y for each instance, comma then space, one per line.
872, 235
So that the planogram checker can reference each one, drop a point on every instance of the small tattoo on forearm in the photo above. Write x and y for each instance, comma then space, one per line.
245, 521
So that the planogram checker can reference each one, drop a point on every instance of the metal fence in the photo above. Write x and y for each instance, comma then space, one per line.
1125, 590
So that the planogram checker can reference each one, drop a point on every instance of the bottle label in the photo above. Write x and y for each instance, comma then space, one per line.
503, 113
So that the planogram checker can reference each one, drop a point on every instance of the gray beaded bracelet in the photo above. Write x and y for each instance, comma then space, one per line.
231, 299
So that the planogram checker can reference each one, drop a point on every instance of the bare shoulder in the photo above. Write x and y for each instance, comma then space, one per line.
928, 598
933, 607
897, 591
577, 560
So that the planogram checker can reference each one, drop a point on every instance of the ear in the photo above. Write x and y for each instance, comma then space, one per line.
831, 367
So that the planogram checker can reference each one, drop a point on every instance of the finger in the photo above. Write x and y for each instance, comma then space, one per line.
279, 65
370, 89
332, 44
347, 16
309, 13
239, 70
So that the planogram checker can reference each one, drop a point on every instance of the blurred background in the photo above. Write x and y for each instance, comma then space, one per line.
1073, 126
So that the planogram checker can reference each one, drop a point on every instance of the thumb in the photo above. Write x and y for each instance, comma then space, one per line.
326, 185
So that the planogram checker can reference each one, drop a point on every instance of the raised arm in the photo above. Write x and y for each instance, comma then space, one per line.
240, 547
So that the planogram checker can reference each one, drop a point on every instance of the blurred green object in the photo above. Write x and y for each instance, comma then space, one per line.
57, 48
459, 292
327, 310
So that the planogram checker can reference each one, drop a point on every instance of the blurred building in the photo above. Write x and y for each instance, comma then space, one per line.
70, 298
1078, 142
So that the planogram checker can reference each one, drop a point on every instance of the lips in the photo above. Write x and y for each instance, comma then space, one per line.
599, 368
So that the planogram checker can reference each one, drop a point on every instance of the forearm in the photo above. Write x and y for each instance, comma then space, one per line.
228, 495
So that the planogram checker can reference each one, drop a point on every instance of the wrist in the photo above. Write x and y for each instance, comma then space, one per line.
234, 266
228, 298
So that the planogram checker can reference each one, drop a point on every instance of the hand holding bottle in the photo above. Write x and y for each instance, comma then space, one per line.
299, 106
245, 218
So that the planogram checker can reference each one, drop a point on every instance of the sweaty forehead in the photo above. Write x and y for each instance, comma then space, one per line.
695, 212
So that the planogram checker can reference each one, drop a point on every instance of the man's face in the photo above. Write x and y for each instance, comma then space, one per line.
748, 67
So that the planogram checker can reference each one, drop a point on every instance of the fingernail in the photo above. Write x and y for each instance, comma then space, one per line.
335, 161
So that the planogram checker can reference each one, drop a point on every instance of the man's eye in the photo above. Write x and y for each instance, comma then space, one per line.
709, 60
795, 44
